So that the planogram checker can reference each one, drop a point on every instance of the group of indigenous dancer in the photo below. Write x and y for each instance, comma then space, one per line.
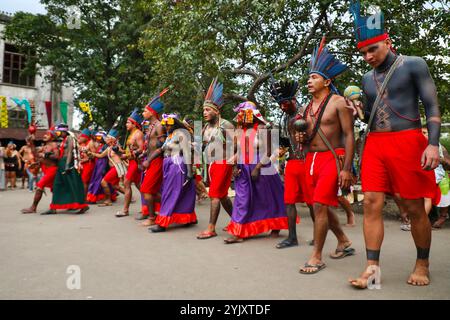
318, 139
60, 165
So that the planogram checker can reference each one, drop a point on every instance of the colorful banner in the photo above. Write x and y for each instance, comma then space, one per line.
3, 113
86, 109
63, 106
48, 109
26, 103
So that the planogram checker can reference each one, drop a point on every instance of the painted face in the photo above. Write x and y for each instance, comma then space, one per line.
288, 106
82, 139
111, 141
317, 83
209, 114
376, 53
46, 137
169, 128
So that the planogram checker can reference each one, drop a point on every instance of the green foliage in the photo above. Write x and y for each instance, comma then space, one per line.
127, 50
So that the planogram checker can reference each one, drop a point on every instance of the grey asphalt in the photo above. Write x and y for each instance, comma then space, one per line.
119, 259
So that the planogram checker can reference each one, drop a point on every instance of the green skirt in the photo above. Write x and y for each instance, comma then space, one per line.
68, 189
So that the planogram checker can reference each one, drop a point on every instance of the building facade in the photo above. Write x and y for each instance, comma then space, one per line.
34, 88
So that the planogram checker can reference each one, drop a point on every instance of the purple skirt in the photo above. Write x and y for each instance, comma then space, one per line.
259, 205
177, 200
95, 189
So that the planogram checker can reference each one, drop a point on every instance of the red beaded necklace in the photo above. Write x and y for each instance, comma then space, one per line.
308, 109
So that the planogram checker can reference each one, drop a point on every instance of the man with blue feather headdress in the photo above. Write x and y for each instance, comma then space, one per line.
325, 127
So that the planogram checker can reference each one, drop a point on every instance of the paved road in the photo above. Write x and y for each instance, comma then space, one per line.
119, 259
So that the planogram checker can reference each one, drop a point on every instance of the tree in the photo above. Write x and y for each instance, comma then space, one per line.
242, 40
127, 50
101, 58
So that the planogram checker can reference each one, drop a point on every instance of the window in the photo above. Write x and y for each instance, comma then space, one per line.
13, 65
17, 119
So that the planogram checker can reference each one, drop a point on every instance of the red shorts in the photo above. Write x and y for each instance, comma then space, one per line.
87, 170
322, 178
48, 178
219, 179
391, 164
111, 177
294, 181
153, 177
133, 173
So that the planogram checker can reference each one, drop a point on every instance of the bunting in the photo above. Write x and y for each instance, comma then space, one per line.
48, 109
26, 103
63, 106
86, 109
3, 113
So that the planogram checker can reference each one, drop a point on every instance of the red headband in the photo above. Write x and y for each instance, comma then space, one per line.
135, 122
85, 136
373, 40
152, 111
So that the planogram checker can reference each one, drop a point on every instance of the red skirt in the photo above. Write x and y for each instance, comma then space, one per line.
86, 171
153, 177
48, 178
111, 177
133, 173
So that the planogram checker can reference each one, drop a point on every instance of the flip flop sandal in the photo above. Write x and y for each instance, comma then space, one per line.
206, 235
121, 214
342, 253
318, 267
405, 227
286, 244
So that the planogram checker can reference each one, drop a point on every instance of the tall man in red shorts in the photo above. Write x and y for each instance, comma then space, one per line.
48, 157
155, 138
329, 136
133, 148
294, 174
397, 158
215, 137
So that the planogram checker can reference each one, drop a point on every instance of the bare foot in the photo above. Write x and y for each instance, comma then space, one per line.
362, 281
28, 210
439, 222
148, 222
420, 275
350, 220
275, 233
105, 203
233, 239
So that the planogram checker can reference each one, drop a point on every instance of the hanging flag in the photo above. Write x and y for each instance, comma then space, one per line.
48, 108
26, 103
3, 113
63, 107
86, 109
